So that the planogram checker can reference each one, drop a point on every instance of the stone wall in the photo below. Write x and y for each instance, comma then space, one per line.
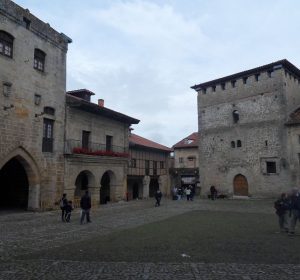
21, 125
228, 148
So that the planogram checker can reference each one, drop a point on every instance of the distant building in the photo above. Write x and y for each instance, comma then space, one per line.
185, 171
148, 168
249, 126
32, 112
96, 155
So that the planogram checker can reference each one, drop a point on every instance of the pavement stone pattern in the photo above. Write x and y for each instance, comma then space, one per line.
27, 232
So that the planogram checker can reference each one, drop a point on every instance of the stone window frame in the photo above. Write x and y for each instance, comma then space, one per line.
39, 60
264, 162
6, 44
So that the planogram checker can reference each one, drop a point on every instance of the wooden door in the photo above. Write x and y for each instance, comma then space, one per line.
240, 185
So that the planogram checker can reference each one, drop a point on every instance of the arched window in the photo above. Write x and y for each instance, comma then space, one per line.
232, 144
39, 60
239, 143
6, 44
236, 116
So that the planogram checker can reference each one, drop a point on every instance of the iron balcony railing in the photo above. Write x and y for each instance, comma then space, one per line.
95, 149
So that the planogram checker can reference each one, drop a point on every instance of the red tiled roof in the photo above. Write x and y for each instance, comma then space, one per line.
188, 142
141, 141
294, 117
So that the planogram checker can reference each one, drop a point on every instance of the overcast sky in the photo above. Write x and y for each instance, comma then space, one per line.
142, 56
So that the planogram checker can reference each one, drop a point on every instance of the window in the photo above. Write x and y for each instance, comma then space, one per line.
85, 139
204, 91
271, 166
257, 77
6, 44
133, 163
233, 83
7, 89
39, 60
154, 167
147, 167
232, 143
109, 142
245, 80
213, 88
49, 110
223, 86
162, 165
27, 22
180, 160
270, 73
239, 143
235, 116
47, 145
266, 143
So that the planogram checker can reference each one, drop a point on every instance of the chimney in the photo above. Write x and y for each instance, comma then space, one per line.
101, 102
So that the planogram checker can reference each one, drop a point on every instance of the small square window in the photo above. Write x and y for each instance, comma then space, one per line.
6, 89
271, 166
245, 80
239, 143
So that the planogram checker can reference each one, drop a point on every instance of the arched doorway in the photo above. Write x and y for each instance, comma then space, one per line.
240, 185
14, 185
82, 183
105, 188
153, 186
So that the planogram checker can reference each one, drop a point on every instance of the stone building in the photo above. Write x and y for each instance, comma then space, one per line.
185, 171
32, 112
96, 155
249, 143
148, 169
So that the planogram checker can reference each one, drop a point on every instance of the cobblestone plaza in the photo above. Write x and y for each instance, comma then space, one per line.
25, 234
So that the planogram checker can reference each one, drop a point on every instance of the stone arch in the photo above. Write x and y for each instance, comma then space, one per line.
240, 185
107, 186
28, 177
84, 181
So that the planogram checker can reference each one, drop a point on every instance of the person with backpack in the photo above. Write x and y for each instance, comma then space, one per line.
294, 210
63, 203
282, 207
85, 204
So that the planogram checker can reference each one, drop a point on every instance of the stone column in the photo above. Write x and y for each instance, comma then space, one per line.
146, 183
34, 197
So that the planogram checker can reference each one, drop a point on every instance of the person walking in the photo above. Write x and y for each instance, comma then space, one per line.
213, 192
85, 204
158, 196
69, 209
188, 193
63, 203
282, 207
294, 210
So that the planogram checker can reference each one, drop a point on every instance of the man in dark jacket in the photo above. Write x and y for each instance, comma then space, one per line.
158, 196
282, 206
295, 210
85, 204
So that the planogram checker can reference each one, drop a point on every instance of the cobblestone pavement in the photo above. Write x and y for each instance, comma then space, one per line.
27, 232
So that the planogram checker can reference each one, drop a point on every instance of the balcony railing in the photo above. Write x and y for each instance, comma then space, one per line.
95, 149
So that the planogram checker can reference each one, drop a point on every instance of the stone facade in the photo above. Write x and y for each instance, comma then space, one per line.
96, 156
30, 94
245, 144
148, 168
185, 171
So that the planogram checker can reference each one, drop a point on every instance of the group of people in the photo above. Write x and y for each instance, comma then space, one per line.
179, 193
288, 211
66, 207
